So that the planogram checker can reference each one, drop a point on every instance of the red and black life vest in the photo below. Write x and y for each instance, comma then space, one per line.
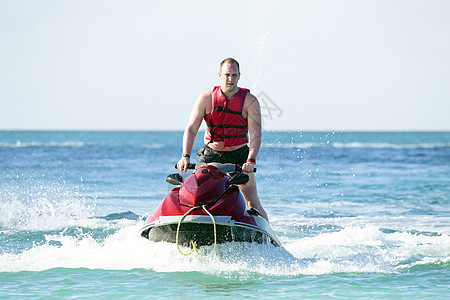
225, 122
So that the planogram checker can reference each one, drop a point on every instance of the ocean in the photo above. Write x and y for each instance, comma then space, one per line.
359, 214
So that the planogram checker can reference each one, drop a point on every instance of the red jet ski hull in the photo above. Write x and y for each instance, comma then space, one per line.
182, 211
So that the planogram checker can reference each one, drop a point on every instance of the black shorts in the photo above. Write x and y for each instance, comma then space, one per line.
208, 155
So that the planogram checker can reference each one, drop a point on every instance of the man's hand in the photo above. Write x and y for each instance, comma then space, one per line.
248, 167
183, 164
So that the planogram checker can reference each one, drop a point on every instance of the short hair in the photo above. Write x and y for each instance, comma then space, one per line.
230, 61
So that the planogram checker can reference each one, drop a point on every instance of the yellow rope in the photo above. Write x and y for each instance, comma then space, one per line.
194, 244
178, 230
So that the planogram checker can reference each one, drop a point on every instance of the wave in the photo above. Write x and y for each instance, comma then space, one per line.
154, 146
292, 145
305, 145
370, 249
356, 145
349, 250
20, 144
44, 207
54, 227
391, 146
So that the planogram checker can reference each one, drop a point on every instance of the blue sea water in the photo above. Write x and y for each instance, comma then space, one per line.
359, 214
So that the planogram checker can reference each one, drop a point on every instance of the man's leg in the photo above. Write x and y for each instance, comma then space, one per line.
251, 196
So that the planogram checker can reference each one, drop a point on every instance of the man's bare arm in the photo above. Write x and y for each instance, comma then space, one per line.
254, 128
195, 120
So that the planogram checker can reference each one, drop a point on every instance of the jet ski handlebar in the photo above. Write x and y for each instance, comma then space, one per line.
239, 169
223, 167
190, 166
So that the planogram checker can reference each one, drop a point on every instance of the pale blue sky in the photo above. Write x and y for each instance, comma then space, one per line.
322, 65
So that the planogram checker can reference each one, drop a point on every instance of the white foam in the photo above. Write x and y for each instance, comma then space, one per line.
356, 145
367, 249
58, 208
44, 207
353, 249
291, 145
154, 146
126, 250
390, 145
20, 144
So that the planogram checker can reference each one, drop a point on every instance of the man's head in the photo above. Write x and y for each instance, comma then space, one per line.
229, 74
229, 60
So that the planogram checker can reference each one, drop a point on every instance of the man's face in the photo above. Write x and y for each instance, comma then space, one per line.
229, 77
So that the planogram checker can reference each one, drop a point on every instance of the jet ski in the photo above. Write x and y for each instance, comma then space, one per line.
207, 208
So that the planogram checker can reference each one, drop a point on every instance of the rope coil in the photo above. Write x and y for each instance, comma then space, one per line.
194, 244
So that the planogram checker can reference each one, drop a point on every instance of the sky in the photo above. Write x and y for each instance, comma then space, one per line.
141, 64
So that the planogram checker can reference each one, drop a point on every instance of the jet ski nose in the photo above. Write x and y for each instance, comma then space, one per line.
205, 186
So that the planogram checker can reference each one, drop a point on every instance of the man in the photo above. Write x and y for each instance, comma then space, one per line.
230, 113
